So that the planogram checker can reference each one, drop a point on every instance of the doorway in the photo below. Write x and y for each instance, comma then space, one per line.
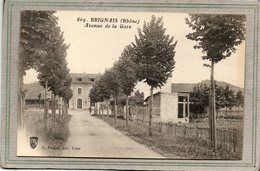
79, 103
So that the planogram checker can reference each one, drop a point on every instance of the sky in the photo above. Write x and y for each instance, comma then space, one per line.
94, 49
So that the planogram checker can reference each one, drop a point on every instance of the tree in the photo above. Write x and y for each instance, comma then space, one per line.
229, 98
111, 83
66, 93
219, 98
93, 95
154, 56
137, 98
239, 99
125, 69
200, 98
100, 91
35, 38
217, 36
53, 71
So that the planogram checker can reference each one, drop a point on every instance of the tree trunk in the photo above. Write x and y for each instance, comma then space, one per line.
59, 107
102, 109
95, 109
212, 110
53, 108
45, 115
151, 112
67, 107
127, 111
62, 109
22, 105
107, 110
99, 110
226, 111
115, 110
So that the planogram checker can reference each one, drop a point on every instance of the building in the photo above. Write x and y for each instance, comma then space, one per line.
172, 104
170, 107
81, 85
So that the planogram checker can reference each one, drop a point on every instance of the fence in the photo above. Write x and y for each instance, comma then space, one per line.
142, 113
226, 139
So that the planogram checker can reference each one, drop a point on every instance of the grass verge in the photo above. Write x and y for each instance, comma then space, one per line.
54, 134
167, 145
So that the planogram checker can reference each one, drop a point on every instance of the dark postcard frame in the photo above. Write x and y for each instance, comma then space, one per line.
10, 85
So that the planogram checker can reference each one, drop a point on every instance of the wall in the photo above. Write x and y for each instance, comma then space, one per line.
84, 96
169, 107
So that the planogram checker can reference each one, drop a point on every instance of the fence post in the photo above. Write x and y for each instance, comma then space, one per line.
197, 131
136, 114
184, 131
144, 114
222, 138
234, 141
175, 126
170, 132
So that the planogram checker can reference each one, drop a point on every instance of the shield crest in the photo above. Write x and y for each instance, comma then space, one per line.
33, 142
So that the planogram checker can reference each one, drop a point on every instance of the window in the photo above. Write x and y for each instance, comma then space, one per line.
182, 106
79, 79
79, 90
92, 79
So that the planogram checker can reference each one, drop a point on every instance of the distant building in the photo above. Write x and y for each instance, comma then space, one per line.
81, 85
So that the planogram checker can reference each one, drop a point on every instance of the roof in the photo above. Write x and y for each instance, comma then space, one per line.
34, 89
182, 87
155, 94
84, 77
172, 93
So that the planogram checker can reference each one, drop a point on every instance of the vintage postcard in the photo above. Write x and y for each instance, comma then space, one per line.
131, 85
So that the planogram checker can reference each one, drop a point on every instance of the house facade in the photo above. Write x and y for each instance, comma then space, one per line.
170, 107
81, 85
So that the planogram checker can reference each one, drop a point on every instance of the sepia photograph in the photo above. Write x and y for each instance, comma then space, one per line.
131, 85
120, 85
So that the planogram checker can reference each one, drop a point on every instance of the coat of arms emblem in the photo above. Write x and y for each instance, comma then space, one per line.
33, 142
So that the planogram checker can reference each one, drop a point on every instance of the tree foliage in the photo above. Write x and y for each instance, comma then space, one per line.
42, 48
225, 98
217, 35
125, 69
100, 91
35, 38
53, 67
137, 98
229, 97
200, 98
110, 79
239, 99
154, 53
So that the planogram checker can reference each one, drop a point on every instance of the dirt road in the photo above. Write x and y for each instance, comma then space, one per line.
92, 137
